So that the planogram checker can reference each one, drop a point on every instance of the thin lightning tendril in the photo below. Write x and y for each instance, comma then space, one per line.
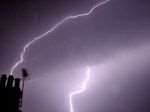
23, 52
81, 90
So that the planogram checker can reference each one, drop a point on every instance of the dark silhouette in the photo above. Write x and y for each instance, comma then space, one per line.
24, 73
11, 92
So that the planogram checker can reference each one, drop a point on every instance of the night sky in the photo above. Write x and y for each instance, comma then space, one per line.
114, 41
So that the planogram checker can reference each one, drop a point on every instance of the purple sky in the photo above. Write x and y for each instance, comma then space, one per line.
114, 40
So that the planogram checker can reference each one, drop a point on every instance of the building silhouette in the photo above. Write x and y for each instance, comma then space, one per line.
10, 94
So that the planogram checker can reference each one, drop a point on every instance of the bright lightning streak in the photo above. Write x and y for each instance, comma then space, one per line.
81, 90
22, 54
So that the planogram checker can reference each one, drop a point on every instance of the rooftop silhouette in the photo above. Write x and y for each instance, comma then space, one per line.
11, 92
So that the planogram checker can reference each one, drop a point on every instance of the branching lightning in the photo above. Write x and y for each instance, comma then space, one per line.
81, 90
23, 52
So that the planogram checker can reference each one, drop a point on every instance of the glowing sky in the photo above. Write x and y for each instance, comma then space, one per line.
114, 40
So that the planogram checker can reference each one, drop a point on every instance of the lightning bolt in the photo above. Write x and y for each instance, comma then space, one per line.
23, 52
81, 90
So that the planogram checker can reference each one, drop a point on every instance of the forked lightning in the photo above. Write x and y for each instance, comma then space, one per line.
81, 90
23, 52
30, 43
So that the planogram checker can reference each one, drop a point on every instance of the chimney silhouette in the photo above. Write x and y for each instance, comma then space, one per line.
11, 92
3, 81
